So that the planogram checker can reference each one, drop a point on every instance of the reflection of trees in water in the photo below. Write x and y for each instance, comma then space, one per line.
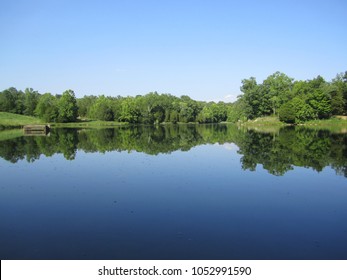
277, 152
62, 141
291, 147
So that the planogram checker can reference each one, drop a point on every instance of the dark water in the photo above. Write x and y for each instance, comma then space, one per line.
176, 192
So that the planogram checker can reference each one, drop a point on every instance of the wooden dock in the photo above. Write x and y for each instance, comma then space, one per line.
36, 129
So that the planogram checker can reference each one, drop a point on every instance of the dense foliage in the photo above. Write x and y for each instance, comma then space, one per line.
292, 101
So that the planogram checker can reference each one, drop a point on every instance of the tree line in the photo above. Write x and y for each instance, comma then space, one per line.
292, 101
151, 108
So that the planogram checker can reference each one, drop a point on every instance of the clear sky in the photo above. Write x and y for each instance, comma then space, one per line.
199, 48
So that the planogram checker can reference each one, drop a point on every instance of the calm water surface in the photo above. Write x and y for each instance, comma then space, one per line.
180, 192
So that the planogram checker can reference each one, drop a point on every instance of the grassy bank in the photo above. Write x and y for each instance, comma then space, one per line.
337, 125
10, 134
264, 124
8, 120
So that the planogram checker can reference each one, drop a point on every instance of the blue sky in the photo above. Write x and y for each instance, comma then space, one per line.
199, 48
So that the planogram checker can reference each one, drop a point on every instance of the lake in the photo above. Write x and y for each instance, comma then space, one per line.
174, 192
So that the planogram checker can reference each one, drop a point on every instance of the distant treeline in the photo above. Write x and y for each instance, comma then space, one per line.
293, 101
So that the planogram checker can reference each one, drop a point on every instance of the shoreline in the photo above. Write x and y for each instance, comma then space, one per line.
10, 121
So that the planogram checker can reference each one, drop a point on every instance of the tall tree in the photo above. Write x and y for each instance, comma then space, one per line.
102, 109
129, 111
12, 101
277, 89
67, 107
338, 93
251, 97
31, 99
47, 108
84, 105
318, 98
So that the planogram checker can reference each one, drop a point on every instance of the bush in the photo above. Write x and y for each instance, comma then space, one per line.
287, 113
102, 109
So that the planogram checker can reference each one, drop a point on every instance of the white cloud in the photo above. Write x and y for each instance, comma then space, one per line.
230, 146
227, 98
230, 98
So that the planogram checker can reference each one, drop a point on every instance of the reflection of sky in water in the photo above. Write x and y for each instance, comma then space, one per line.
230, 146
195, 204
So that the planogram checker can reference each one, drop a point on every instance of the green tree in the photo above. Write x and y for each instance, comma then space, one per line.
31, 99
237, 111
338, 92
84, 105
67, 107
344, 90
102, 109
186, 113
205, 115
277, 90
188, 109
12, 101
318, 98
287, 113
251, 98
303, 111
173, 117
129, 111
47, 108
116, 106
150, 108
